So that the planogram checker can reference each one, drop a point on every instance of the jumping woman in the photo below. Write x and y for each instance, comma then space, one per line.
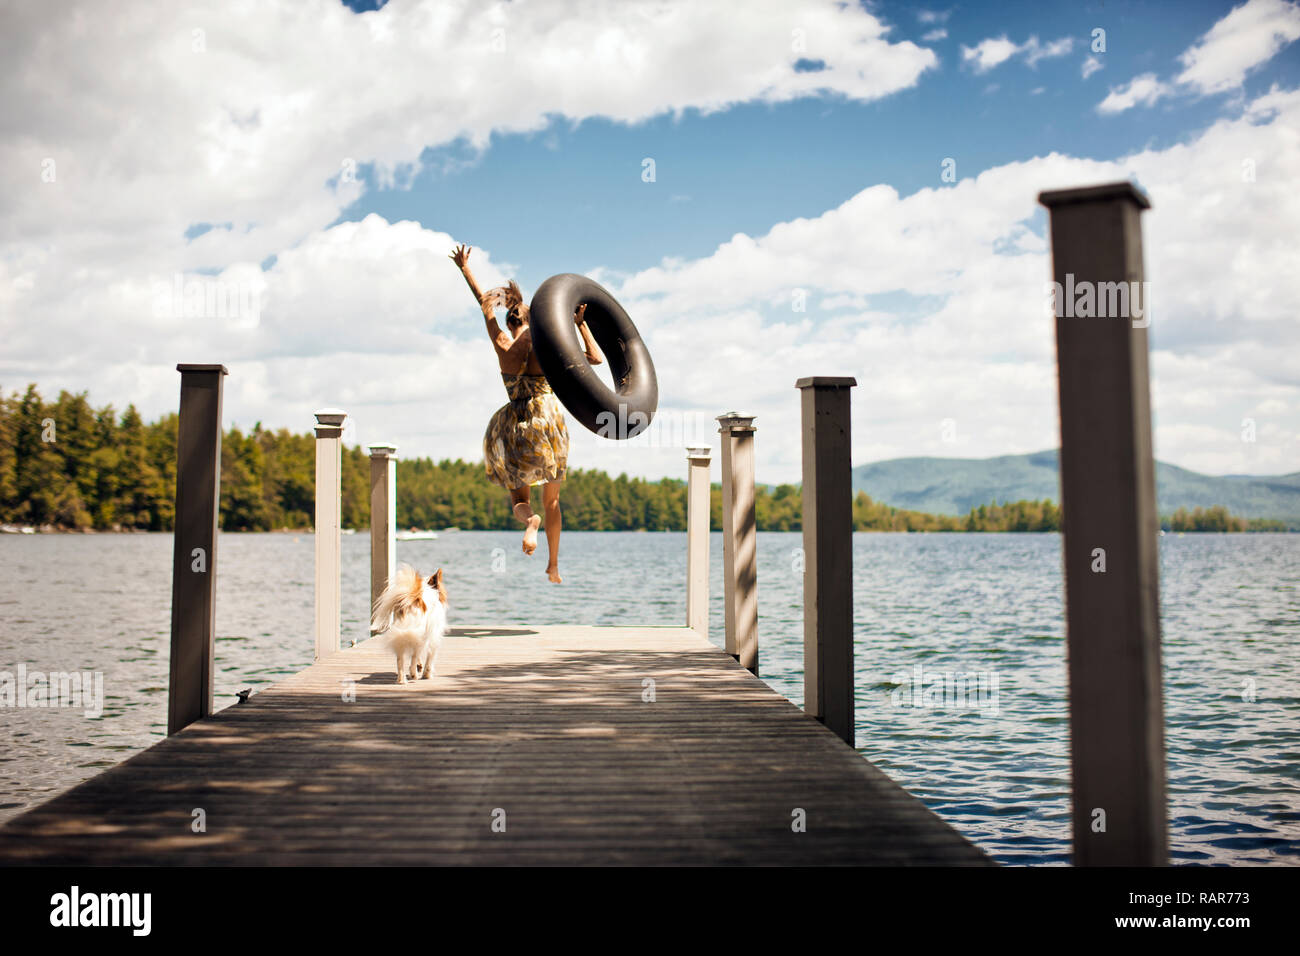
526, 442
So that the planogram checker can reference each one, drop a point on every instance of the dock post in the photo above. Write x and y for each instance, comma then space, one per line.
383, 518
194, 545
828, 553
739, 539
1109, 527
697, 539
329, 520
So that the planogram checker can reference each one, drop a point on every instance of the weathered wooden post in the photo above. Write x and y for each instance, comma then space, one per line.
1110, 527
828, 553
697, 538
329, 531
739, 539
383, 517
194, 545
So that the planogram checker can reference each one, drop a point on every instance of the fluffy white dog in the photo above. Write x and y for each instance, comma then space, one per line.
411, 615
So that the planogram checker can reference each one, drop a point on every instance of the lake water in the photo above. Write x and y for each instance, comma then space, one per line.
977, 604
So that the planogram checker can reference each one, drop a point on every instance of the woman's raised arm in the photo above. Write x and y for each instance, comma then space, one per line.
460, 256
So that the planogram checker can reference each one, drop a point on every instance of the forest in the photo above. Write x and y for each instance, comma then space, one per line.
65, 465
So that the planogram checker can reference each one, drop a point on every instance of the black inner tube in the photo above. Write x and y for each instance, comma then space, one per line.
618, 413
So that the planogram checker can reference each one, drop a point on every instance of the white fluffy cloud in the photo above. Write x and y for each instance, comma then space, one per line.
995, 51
153, 118
1245, 39
933, 300
1142, 90
989, 53
126, 125
977, 344
974, 345
1250, 35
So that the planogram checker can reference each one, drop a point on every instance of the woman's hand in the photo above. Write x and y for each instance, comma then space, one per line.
460, 256
588, 342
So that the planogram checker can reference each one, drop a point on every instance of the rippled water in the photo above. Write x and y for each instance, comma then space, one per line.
986, 604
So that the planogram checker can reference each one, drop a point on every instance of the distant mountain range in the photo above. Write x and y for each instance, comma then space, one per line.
953, 486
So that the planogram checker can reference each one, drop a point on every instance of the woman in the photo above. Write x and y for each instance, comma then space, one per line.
526, 442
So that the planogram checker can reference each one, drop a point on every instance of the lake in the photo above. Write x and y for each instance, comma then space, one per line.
996, 767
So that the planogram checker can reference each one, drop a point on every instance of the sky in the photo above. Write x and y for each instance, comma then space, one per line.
771, 189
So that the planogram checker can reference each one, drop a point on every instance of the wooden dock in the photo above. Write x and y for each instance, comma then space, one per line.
590, 745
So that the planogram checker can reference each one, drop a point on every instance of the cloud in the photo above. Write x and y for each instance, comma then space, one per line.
1142, 90
271, 116
129, 124
1245, 39
934, 300
934, 36
1091, 65
1249, 36
988, 53
933, 16
1034, 51
995, 51
976, 343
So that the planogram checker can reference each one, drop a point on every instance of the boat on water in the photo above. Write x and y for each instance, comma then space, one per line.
414, 535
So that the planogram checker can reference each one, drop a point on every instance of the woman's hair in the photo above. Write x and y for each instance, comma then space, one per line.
516, 307
509, 297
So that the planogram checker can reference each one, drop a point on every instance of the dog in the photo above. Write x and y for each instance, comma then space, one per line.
411, 615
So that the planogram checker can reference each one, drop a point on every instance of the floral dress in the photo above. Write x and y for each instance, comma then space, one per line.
526, 442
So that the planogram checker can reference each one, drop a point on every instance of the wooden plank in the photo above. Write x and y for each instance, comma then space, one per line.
629, 745
1110, 528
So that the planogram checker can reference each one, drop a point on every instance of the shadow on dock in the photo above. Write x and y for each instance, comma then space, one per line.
554, 745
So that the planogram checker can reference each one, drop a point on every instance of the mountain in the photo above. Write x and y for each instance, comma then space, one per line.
953, 486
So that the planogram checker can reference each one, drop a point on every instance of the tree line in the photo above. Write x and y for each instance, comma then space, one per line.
66, 465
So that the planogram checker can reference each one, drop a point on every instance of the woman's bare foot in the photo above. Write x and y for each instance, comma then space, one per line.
553, 573
530, 534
